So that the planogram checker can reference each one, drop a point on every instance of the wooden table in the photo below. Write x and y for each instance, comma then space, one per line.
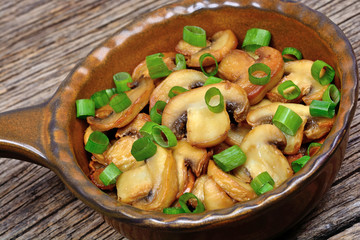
42, 40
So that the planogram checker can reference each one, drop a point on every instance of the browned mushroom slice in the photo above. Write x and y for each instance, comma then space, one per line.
221, 44
215, 197
100, 158
230, 67
134, 184
317, 128
103, 112
134, 127
198, 189
139, 97
300, 73
293, 143
162, 168
186, 78
237, 133
233, 186
187, 114
262, 155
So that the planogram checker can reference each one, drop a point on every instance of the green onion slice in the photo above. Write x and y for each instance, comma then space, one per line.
259, 80
210, 93
143, 148
287, 120
316, 68
156, 66
201, 60
183, 203
120, 102
291, 51
255, 38
300, 163
262, 183
212, 80
332, 94
110, 92
158, 131
146, 129
180, 62
322, 109
109, 174
230, 158
173, 210
195, 36
289, 90
311, 145
85, 108
97, 142
100, 98
176, 90
121, 81
155, 115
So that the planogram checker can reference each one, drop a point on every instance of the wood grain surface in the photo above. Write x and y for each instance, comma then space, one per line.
42, 40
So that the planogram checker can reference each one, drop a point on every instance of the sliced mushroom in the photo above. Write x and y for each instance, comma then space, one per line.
293, 143
237, 133
233, 186
262, 155
221, 44
139, 97
133, 128
100, 158
186, 78
162, 168
134, 184
300, 73
188, 113
317, 128
215, 197
198, 189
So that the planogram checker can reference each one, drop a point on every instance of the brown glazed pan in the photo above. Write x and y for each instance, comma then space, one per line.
50, 135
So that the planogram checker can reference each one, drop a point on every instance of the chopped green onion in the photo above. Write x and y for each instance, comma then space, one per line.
110, 174
143, 148
173, 210
332, 94
287, 120
262, 183
316, 68
146, 129
322, 109
255, 38
210, 93
156, 66
289, 90
120, 102
85, 108
291, 51
110, 92
121, 81
311, 145
155, 116
158, 131
183, 203
300, 163
100, 98
176, 90
259, 67
195, 36
180, 62
201, 60
212, 80
230, 158
97, 142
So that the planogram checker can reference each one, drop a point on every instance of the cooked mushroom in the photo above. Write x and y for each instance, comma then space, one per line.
198, 189
293, 143
134, 127
162, 168
317, 128
221, 44
215, 197
100, 158
187, 114
139, 97
300, 73
262, 155
234, 67
237, 133
186, 78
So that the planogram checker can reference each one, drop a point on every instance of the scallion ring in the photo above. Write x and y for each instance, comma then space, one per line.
110, 92
173, 210
195, 36
255, 38
100, 98
287, 120
316, 68
155, 111
291, 51
259, 80
212, 80
209, 95
289, 90
143, 148
322, 109
121, 81
176, 90
262, 183
180, 62
332, 94
110, 174
311, 145
146, 129
230, 158
120, 102
185, 198
85, 108
201, 60
156, 66
158, 131
97, 142
299, 163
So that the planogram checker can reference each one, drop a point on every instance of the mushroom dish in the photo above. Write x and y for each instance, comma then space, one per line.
209, 125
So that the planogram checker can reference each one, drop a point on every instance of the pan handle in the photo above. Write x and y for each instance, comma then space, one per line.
22, 134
